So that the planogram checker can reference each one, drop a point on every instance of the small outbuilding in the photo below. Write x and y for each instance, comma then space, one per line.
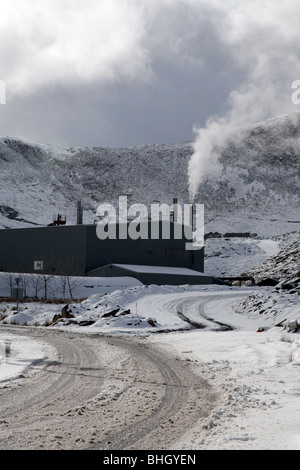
158, 275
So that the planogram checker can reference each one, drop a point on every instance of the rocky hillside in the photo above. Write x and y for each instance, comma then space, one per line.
258, 191
279, 281
283, 267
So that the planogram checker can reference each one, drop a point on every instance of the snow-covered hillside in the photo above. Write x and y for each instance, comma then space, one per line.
258, 191
283, 265
38, 181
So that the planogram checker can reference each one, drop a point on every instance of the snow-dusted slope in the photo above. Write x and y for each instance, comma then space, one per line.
284, 265
38, 181
258, 190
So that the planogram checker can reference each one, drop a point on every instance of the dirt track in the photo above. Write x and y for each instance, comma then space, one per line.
100, 392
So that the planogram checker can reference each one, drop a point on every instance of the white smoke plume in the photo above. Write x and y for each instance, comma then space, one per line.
263, 40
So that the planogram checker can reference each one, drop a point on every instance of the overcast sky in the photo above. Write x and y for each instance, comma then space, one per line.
129, 72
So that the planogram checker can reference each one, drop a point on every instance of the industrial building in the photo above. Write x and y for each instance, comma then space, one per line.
76, 250
154, 274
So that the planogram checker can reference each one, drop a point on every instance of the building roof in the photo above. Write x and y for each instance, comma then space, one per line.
159, 269
160, 275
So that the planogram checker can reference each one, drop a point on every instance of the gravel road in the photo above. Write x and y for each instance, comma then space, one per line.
101, 392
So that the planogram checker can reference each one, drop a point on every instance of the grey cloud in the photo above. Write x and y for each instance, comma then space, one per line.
130, 72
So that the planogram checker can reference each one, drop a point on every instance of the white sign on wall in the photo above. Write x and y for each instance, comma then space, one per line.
38, 265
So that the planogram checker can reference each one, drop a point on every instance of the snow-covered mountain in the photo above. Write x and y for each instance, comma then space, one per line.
38, 181
258, 190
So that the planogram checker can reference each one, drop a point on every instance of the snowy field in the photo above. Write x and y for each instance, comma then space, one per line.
213, 327
258, 373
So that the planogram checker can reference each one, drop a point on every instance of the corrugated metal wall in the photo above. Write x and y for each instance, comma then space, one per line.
60, 249
75, 250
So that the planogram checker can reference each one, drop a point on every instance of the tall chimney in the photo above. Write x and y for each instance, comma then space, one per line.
192, 216
175, 208
79, 213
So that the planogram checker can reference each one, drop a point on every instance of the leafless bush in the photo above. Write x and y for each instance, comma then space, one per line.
7, 349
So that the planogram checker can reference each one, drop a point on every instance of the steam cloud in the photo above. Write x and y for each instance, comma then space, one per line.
263, 39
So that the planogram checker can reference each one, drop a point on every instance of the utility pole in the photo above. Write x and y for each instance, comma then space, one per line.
17, 282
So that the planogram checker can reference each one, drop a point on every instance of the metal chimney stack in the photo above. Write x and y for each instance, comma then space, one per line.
79, 213
175, 209
192, 216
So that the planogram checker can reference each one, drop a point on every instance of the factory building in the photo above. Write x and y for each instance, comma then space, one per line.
76, 250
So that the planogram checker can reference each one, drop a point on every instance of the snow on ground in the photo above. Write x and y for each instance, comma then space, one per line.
60, 287
256, 373
236, 255
17, 354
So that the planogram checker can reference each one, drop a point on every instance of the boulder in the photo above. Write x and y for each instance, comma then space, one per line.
268, 282
66, 312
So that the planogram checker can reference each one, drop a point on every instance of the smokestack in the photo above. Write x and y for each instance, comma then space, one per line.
192, 216
79, 213
175, 209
